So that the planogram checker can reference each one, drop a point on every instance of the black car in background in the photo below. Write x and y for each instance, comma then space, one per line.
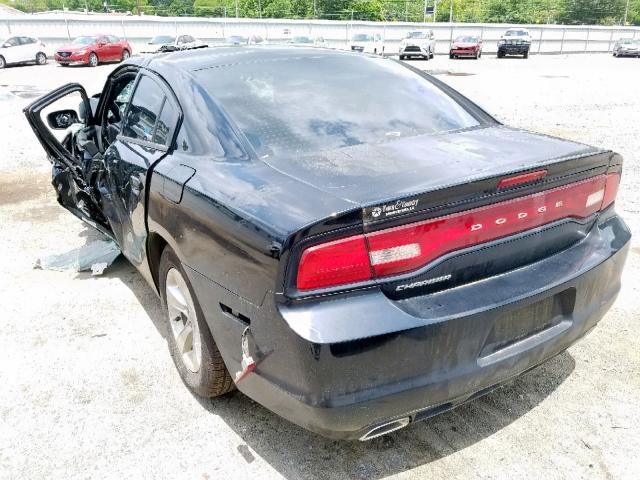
352, 264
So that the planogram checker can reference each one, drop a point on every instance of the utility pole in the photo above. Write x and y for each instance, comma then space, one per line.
450, 11
424, 11
435, 11
626, 11
236, 8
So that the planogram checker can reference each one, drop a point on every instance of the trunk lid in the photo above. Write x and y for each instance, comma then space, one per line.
423, 179
373, 174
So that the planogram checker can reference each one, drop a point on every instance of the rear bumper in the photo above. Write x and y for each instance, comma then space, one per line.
445, 351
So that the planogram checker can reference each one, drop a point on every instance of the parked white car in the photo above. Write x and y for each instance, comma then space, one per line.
419, 43
304, 40
365, 43
172, 42
22, 49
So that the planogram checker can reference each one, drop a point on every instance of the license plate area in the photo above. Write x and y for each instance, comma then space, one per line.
526, 321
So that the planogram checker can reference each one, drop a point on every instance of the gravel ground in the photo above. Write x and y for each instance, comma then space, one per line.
89, 390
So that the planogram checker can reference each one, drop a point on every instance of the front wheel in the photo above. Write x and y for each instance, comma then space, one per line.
41, 58
125, 55
401, 57
93, 60
3, 62
191, 345
526, 54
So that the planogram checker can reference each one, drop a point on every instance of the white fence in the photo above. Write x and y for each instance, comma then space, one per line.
59, 28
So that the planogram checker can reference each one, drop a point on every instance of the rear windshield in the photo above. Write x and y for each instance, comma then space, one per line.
312, 103
362, 37
162, 39
519, 33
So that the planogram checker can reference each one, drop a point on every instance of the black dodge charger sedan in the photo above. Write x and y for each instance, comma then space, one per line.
351, 262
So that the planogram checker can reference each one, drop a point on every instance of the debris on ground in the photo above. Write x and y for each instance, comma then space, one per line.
96, 256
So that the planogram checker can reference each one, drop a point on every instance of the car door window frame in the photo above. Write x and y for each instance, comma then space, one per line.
169, 97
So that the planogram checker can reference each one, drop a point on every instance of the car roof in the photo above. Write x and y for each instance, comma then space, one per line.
221, 56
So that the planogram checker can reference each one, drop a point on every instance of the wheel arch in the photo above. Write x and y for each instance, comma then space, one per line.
156, 244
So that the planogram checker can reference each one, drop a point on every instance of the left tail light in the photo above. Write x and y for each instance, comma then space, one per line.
409, 247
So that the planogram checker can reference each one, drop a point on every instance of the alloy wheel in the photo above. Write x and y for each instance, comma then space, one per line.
125, 55
93, 60
183, 321
41, 58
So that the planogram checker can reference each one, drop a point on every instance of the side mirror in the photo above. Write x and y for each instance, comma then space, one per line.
102, 44
62, 119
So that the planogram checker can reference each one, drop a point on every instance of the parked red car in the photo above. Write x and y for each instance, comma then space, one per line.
466, 46
93, 49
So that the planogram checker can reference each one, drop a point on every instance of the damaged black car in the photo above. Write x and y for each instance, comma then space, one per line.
352, 263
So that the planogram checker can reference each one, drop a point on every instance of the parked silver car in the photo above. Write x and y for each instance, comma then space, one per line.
627, 47
172, 42
419, 43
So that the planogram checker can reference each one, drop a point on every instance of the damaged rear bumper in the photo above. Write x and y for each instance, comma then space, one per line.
448, 348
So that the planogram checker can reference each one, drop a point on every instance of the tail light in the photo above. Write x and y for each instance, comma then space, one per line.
409, 247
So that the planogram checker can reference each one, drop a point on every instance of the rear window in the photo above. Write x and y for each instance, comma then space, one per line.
303, 104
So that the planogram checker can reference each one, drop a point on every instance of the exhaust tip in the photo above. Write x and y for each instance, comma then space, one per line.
385, 428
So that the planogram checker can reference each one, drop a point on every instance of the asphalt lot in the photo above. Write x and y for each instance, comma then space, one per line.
88, 390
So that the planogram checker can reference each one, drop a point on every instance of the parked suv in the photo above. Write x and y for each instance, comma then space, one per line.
364, 43
627, 47
421, 43
22, 49
515, 41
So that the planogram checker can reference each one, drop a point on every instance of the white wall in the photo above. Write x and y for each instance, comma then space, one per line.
56, 29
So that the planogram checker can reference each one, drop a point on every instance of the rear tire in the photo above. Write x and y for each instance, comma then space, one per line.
3, 63
526, 54
451, 56
192, 348
125, 55
402, 57
93, 60
41, 58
